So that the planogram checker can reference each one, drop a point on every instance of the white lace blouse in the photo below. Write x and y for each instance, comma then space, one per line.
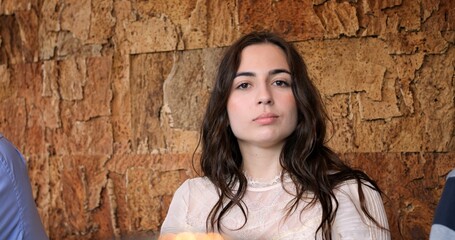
267, 205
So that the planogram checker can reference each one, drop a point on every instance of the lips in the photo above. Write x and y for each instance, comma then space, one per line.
266, 118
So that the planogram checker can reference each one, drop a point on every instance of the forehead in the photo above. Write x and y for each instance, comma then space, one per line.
263, 55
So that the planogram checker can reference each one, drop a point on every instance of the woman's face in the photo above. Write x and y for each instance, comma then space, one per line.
261, 106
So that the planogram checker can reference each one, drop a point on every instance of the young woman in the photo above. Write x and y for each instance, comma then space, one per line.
267, 171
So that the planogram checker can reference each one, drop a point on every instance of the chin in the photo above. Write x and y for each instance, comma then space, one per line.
270, 143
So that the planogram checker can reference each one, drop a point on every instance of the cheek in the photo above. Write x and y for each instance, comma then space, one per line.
234, 105
292, 107
289, 101
231, 109
237, 113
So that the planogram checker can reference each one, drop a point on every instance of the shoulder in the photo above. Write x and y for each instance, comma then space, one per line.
196, 185
352, 219
12, 164
197, 182
8, 151
443, 221
352, 186
348, 193
16, 196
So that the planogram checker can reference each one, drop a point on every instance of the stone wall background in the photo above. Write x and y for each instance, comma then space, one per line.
104, 98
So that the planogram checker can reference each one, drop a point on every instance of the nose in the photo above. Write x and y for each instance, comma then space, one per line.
265, 101
264, 96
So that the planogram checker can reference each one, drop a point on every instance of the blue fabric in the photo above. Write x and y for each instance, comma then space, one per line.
444, 218
19, 218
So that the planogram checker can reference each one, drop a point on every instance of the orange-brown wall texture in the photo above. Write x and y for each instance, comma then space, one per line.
104, 98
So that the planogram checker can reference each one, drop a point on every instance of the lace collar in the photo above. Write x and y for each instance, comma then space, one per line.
263, 183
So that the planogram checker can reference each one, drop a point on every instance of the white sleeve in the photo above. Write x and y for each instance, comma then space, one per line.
351, 222
175, 221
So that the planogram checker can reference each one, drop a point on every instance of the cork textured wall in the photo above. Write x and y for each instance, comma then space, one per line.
104, 98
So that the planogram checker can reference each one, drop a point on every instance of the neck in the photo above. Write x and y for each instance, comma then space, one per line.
261, 163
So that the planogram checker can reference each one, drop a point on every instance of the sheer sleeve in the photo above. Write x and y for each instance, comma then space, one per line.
351, 222
175, 220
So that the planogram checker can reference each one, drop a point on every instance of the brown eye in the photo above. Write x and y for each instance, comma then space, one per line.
281, 83
243, 85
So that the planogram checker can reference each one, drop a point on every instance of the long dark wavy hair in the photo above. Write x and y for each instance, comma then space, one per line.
305, 156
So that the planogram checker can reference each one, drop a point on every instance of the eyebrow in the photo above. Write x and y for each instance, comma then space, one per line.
271, 72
